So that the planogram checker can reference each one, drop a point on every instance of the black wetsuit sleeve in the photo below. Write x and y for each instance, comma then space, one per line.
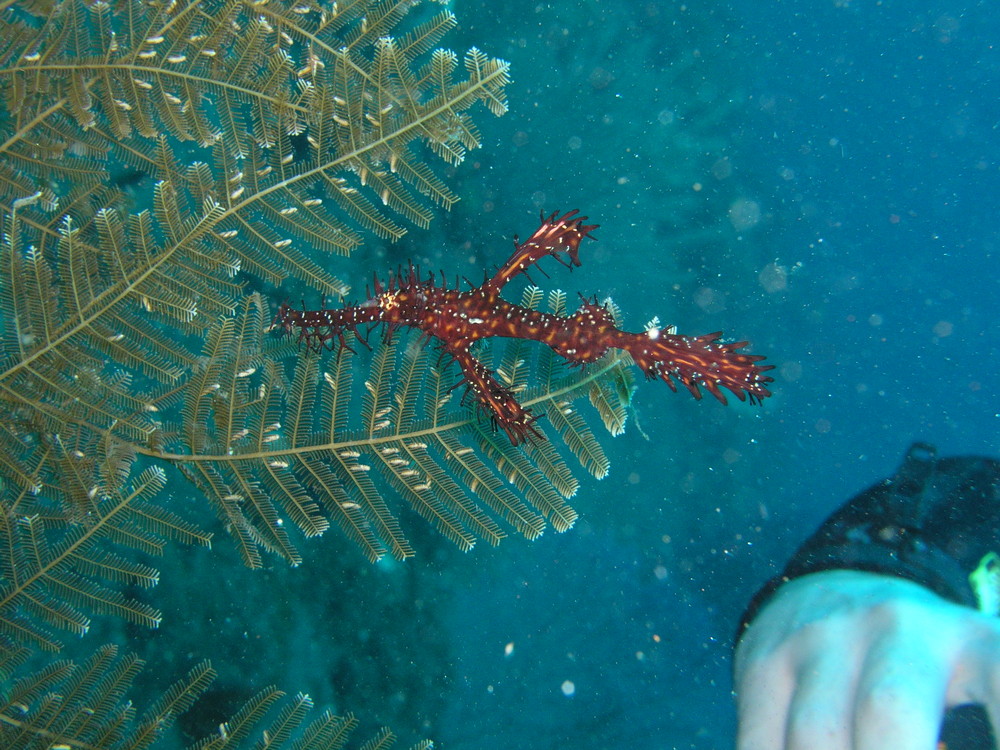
932, 523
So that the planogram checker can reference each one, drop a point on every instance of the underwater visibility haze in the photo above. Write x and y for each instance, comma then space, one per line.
560, 558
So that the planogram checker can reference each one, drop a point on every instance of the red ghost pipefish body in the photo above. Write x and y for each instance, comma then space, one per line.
458, 319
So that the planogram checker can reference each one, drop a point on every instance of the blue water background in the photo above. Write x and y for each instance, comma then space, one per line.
862, 166
819, 178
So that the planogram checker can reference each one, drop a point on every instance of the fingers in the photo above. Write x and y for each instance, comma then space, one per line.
833, 703
764, 691
801, 697
861, 662
900, 697
976, 677
820, 716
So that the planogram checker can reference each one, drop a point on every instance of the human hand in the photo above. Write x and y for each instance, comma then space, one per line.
846, 660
